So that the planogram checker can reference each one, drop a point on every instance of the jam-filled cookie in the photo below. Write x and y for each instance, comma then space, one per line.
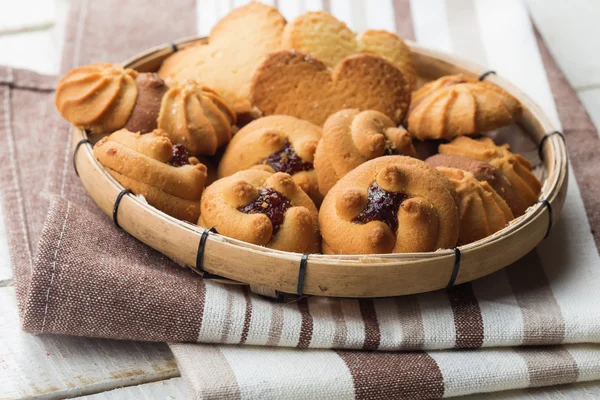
457, 105
393, 204
262, 208
483, 171
277, 143
515, 167
482, 211
150, 165
351, 137
103, 98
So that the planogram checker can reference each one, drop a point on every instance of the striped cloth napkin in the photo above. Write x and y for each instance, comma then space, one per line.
533, 324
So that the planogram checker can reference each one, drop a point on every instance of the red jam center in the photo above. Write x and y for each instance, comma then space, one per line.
287, 160
381, 206
180, 156
271, 203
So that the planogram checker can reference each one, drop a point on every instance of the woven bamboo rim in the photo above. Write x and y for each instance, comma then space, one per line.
346, 275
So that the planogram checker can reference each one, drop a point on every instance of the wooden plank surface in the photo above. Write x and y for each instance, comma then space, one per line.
52, 366
169, 389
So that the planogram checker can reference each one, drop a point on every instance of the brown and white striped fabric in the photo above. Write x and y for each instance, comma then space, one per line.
87, 278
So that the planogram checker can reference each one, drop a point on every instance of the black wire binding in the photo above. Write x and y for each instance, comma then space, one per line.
301, 273
546, 136
200, 256
116, 206
485, 74
549, 207
82, 141
455, 269
174, 47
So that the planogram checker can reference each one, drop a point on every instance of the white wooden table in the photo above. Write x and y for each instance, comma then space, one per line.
49, 367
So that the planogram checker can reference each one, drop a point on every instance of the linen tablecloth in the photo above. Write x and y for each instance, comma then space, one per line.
533, 324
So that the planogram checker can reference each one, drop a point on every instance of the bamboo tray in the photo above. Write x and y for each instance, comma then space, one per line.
347, 275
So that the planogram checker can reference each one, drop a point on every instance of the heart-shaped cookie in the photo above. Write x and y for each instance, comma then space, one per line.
330, 40
235, 47
293, 83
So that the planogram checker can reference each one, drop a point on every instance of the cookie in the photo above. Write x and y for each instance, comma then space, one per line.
264, 209
97, 97
278, 143
196, 117
351, 137
236, 46
151, 89
482, 211
330, 40
150, 165
457, 105
293, 83
393, 204
515, 167
483, 171
103, 98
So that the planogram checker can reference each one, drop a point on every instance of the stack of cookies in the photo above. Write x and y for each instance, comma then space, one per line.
301, 136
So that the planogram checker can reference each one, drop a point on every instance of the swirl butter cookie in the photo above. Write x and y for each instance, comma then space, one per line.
392, 204
97, 97
515, 167
483, 171
330, 40
482, 211
196, 117
236, 46
457, 105
277, 143
293, 83
150, 165
264, 209
105, 97
351, 137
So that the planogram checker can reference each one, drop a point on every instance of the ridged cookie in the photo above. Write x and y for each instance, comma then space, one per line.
482, 211
294, 83
392, 204
330, 40
196, 117
236, 46
515, 167
98, 97
483, 171
457, 105
103, 98
350, 138
264, 209
278, 143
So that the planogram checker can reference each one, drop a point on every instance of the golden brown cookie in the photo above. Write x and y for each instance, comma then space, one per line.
393, 204
351, 137
97, 97
483, 171
262, 208
515, 167
236, 46
196, 117
105, 97
293, 83
482, 211
330, 40
150, 165
457, 105
278, 143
